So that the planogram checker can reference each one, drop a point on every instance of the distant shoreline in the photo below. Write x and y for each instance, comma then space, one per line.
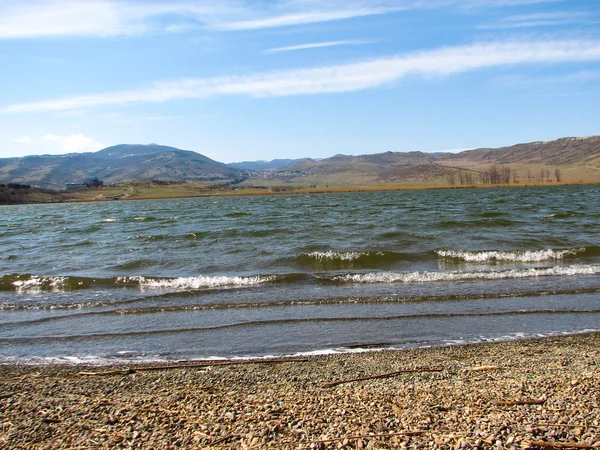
160, 192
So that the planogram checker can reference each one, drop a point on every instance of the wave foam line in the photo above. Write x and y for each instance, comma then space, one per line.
203, 282
428, 277
510, 255
36, 283
339, 256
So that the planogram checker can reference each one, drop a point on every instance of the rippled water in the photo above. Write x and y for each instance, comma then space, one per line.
286, 274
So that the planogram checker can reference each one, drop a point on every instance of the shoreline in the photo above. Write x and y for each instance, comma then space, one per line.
512, 394
249, 192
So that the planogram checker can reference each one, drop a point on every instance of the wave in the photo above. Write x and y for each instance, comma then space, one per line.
485, 256
35, 283
291, 321
204, 282
428, 277
356, 259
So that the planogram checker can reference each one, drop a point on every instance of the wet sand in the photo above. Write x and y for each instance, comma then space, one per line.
540, 393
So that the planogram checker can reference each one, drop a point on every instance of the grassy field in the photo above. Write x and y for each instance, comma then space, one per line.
526, 175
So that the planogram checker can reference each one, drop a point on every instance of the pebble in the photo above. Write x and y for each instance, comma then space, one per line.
287, 405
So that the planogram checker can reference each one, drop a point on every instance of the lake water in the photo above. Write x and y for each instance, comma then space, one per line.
294, 274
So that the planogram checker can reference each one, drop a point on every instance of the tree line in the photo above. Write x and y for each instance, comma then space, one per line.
499, 174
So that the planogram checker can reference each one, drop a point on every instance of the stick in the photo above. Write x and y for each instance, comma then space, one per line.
51, 420
9, 395
186, 366
532, 401
366, 436
567, 425
482, 368
223, 439
546, 444
383, 375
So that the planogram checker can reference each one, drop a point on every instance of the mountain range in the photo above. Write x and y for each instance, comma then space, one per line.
578, 158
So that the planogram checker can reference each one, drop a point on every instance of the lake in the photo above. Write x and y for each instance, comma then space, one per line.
223, 277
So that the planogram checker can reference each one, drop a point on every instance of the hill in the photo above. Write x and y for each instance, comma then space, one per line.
116, 164
565, 160
261, 166
570, 150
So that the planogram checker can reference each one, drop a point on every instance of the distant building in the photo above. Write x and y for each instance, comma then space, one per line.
76, 186
88, 184
94, 183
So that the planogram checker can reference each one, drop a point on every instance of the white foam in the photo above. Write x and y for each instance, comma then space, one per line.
510, 255
331, 255
36, 283
202, 282
428, 277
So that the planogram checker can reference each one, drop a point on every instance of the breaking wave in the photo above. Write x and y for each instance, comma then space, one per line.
428, 277
510, 255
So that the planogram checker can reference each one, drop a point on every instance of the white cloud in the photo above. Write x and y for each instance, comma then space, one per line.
302, 18
540, 20
338, 78
316, 45
105, 18
73, 143
22, 139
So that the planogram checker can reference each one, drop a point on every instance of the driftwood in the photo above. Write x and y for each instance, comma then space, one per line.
383, 375
546, 444
482, 368
369, 436
222, 439
131, 370
532, 401
567, 425
51, 420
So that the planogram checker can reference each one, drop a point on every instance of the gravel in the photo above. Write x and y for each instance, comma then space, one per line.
540, 393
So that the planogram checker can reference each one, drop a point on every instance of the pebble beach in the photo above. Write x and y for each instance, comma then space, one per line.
528, 394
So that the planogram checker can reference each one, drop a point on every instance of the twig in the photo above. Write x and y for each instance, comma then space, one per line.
222, 439
531, 401
482, 368
51, 420
367, 436
547, 444
383, 375
131, 370
567, 425
9, 395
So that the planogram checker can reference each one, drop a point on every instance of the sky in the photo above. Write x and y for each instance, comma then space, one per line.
253, 80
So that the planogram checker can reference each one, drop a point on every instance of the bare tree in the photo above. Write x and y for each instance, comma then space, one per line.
451, 178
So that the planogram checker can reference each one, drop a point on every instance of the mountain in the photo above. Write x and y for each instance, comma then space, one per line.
577, 159
570, 150
116, 164
259, 166
380, 168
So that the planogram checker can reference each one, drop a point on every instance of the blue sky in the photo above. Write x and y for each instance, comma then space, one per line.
251, 80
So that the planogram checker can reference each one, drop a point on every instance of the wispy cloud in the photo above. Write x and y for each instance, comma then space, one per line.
316, 45
545, 19
337, 78
573, 79
302, 18
73, 143
106, 18
22, 139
